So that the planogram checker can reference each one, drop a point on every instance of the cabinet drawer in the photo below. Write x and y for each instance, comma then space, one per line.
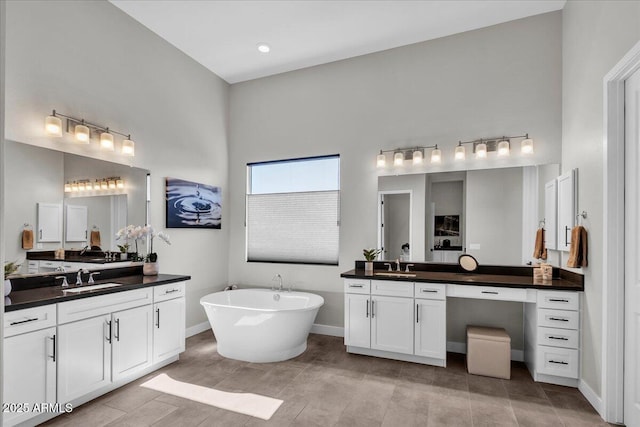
559, 300
357, 286
95, 306
555, 337
431, 291
50, 264
168, 291
29, 319
487, 292
391, 288
561, 362
558, 318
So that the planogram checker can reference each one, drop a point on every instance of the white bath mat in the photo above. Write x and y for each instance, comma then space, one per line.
254, 405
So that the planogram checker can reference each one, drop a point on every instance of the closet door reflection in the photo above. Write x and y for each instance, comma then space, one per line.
394, 235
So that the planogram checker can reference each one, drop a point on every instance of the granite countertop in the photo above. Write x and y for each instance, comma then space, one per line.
448, 248
46, 295
77, 258
496, 280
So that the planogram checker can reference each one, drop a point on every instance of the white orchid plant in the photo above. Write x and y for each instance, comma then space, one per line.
137, 232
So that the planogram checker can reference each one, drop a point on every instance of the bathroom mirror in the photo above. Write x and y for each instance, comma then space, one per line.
489, 213
38, 175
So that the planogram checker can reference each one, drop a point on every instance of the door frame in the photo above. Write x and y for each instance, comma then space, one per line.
613, 286
381, 195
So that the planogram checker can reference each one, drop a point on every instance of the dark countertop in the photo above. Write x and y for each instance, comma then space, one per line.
39, 296
496, 280
76, 258
449, 248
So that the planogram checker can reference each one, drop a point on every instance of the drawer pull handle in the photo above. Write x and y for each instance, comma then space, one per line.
109, 327
558, 363
158, 313
54, 347
19, 322
558, 319
559, 338
372, 306
367, 308
417, 313
433, 291
490, 292
558, 300
355, 286
118, 329
171, 291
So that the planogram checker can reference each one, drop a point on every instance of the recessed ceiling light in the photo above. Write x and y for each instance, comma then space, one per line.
264, 48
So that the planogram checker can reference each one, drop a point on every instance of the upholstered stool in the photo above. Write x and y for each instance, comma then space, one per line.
488, 352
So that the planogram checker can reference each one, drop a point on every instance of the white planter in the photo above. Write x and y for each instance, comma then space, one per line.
7, 287
368, 267
123, 256
150, 268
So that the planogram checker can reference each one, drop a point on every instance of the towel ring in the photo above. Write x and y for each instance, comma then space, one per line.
27, 226
542, 223
582, 214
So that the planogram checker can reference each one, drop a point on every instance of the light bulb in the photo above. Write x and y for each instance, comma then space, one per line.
106, 141
503, 148
481, 150
526, 146
381, 160
398, 159
460, 153
67, 188
82, 186
436, 156
96, 185
264, 48
53, 126
128, 147
112, 184
88, 186
417, 157
74, 187
119, 183
82, 133
104, 185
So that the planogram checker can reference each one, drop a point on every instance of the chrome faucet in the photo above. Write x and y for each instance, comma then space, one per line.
398, 264
64, 281
85, 249
279, 279
91, 281
79, 276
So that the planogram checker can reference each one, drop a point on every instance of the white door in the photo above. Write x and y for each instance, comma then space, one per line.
49, 222
131, 345
392, 324
357, 328
550, 214
29, 371
431, 328
168, 329
566, 209
84, 357
76, 224
632, 252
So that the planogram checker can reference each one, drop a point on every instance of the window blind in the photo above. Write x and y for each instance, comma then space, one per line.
299, 227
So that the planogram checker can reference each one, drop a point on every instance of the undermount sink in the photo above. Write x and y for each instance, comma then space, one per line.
92, 287
395, 274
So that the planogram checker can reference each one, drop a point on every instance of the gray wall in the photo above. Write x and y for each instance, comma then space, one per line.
494, 210
492, 81
596, 35
90, 59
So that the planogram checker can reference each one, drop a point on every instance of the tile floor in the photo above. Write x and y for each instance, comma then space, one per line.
326, 386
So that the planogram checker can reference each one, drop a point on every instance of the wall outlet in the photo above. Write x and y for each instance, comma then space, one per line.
474, 246
38, 245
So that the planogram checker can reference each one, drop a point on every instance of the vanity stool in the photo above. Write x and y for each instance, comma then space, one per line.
488, 352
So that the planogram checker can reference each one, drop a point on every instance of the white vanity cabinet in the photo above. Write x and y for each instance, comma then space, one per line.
29, 374
357, 309
76, 223
391, 313
169, 321
131, 345
431, 320
49, 222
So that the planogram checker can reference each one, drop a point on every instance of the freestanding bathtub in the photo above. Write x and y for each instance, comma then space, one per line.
260, 325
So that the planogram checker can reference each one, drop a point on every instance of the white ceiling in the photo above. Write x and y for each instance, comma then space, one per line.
223, 35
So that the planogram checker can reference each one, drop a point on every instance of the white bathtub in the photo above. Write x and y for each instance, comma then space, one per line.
260, 325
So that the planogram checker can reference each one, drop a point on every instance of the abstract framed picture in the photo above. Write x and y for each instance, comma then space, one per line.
193, 205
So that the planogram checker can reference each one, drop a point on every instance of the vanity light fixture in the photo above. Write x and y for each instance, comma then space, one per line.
418, 157
503, 148
81, 185
398, 158
67, 187
481, 150
119, 183
74, 187
104, 185
381, 160
460, 152
436, 155
82, 131
526, 146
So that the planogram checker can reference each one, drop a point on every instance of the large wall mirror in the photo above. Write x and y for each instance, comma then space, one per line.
491, 214
35, 194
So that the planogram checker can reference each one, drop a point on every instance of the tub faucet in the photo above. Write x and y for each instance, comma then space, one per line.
279, 279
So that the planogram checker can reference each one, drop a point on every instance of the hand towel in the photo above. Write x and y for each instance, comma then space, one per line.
95, 238
540, 252
27, 239
578, 250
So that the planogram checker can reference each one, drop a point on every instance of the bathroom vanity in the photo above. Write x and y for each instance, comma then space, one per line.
403, 316
70, 345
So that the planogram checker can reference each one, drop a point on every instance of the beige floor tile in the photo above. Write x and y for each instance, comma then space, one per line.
184, 417
485, 414
313, 416
130, 397
145, 415
224, 418
93, 415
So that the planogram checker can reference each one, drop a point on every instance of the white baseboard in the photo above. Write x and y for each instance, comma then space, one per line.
591, 396
461, 347
196, 329
334, 331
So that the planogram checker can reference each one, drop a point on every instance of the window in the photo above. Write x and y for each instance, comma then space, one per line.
293, 211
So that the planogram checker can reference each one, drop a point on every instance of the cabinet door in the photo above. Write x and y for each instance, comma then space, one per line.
131, 346
84, 357
392, 324
29, 374
168, 329
49, 222
357, 331
566, 209
431, 328
551, 214
76, 229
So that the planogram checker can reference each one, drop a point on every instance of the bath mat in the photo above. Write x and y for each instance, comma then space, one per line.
254, 405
